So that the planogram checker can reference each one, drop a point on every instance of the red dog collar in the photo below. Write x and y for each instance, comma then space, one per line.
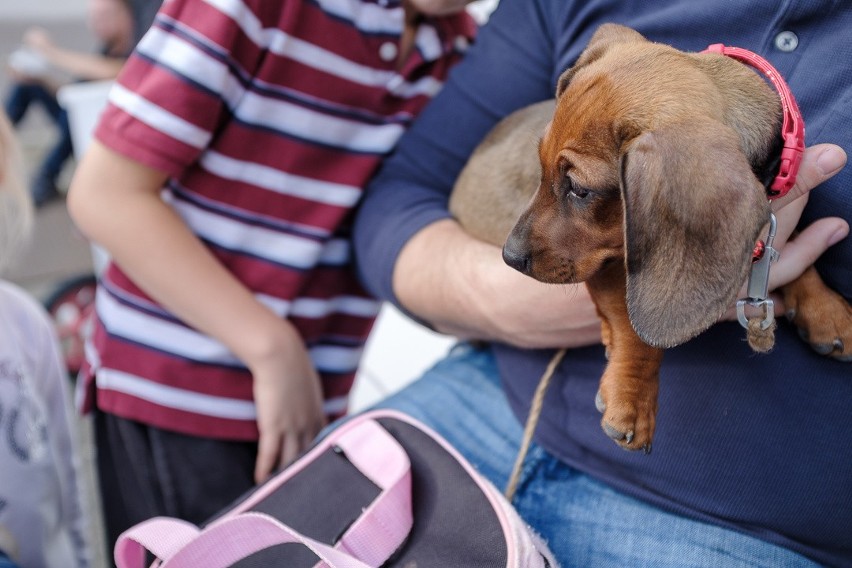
793, 128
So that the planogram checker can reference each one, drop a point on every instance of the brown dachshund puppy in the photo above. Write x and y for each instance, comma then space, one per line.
650, 178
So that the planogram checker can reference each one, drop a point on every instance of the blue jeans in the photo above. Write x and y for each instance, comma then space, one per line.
21, 98
585, 522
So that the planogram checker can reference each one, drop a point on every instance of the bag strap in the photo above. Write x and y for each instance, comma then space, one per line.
235, 538
372, 538
384, 525
162, 536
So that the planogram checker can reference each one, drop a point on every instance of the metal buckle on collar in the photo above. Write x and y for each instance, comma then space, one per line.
758, 282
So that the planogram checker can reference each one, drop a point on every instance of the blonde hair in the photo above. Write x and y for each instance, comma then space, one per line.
16, 209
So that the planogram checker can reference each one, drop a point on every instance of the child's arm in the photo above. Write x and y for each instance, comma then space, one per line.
153, 246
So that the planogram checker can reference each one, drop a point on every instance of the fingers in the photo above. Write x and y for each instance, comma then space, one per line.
268, 451
798, 254
788, 218
277, 451
802, 251
819, 163
294, 444
37, 38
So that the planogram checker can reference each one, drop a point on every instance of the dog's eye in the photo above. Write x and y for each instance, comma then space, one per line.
572, 190
578, 192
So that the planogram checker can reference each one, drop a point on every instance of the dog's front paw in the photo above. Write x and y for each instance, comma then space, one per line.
629, 418
824, 320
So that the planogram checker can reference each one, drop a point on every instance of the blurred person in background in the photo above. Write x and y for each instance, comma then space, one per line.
42, 521
41, 66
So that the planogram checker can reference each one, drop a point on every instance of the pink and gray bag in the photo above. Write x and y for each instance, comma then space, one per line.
382, 490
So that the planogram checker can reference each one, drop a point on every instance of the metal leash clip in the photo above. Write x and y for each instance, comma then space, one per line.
758, 282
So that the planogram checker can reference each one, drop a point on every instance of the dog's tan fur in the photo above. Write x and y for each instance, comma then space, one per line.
648, 187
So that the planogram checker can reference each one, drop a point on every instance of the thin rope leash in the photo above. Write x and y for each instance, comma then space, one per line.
532, 422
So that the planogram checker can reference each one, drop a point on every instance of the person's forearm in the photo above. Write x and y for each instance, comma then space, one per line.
463, 287
85, 66
410, 252
152, 244
163, 257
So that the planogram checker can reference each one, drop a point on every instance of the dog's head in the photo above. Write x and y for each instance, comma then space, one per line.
656, 158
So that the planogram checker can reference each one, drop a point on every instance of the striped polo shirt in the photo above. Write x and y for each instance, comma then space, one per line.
269, 117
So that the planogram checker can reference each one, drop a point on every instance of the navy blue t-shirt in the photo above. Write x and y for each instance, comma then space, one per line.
758, 443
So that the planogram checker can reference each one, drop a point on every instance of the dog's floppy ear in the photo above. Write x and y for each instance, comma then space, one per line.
604, 37
693, 211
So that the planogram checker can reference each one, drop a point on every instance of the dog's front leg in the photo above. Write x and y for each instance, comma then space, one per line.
628, 388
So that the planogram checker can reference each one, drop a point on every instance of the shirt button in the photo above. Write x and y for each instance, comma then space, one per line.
787, 41
388, 51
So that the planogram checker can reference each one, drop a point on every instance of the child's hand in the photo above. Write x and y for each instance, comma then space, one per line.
288, 397
38, 39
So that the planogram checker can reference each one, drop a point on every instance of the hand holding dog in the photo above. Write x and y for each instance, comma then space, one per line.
633, 198
462, 286
819, 163
503, 305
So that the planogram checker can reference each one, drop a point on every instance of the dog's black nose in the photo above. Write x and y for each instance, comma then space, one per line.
516, 255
